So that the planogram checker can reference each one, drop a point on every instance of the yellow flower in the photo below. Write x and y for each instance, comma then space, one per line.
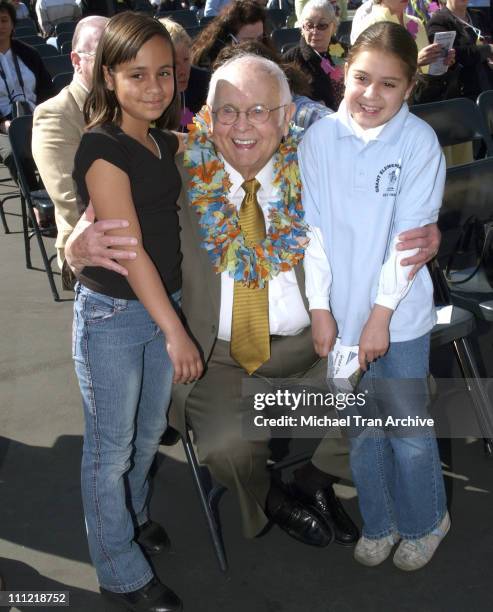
336, 50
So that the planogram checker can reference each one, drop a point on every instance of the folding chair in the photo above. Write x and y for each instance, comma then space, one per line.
285, 48
20, 135
455, 122
485, 104
206, 20
45, 50
456, 333
468, 192
276, 18
284, 36
62, 80
32, 40
187, 19
27, 30
193, 32
343, 33
65, 26
57, 64
26, 23
66, 48
62, 38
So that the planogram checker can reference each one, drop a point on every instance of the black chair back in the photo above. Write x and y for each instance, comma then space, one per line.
455, 121
276, 18
468, 191
187, 19
65, 26
63, 38
66, 47
285, 36
343, 33
62, 80
57, 64
47, 50
485, 104
26, 30
32, 40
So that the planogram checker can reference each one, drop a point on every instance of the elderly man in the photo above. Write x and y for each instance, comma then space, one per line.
260, 329
58, 125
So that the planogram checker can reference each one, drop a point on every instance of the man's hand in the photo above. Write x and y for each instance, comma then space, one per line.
375, 337
88, 245
324, 331
426, 239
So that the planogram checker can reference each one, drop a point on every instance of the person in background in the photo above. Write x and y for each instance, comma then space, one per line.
23, 81
240, 21
21, 10
472, 45
51, 12
58, 125
340, 9
214, 7
395, 11
321, 60
192, 82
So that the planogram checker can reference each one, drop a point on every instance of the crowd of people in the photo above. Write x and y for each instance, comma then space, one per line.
210, 236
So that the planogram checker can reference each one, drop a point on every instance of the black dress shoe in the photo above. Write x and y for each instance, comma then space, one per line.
153, 597
301, 522
329, 506
152, 537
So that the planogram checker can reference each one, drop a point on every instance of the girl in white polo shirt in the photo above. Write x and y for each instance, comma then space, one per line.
369, 172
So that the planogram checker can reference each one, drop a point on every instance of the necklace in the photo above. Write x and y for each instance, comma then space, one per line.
222, 238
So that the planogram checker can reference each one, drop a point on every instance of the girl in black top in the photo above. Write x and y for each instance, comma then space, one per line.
129, 342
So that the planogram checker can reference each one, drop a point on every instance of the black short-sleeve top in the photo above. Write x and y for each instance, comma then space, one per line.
155, 184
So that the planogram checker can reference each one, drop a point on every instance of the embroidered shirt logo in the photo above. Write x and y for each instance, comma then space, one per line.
387, 180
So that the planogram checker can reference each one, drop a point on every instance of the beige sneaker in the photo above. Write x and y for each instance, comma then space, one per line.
373, 552
415, 554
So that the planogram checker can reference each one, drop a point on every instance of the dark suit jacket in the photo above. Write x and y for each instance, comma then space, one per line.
309, 62
196, 92
474, 76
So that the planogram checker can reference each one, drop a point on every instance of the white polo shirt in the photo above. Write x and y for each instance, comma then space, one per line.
363, 194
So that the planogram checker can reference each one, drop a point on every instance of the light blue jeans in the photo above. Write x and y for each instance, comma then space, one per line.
398, 476
125, 377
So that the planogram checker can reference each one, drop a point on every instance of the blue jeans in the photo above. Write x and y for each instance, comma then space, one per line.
398, 477
125, 377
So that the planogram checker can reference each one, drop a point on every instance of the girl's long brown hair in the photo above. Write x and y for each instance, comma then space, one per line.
120, 42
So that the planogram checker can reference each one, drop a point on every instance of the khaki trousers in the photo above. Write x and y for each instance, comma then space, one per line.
214, 411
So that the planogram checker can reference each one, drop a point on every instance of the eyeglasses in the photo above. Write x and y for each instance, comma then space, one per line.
227, 115
308, 25
89, 53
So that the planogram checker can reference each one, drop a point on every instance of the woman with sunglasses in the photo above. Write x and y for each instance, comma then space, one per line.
474, 54
321, 61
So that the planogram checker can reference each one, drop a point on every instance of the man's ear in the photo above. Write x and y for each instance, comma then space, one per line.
108, 78
288, 115
75, 59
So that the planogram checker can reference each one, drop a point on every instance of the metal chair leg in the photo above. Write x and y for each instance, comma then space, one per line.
46, 261
481, 402
206, 502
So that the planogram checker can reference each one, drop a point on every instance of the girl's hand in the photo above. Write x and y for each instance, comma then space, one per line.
375, 338
184, 356
429, 54
324, 331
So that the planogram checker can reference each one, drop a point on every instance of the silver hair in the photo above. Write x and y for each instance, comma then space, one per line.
319, 5
92, 21
235, 65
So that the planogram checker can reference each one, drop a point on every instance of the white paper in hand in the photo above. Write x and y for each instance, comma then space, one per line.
446, 41
343, 370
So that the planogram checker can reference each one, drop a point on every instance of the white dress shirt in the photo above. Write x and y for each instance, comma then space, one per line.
287, 313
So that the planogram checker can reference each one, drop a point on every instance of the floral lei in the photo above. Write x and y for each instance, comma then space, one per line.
222, 238
336, 54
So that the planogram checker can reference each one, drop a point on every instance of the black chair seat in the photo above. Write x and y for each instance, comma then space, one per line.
461, 325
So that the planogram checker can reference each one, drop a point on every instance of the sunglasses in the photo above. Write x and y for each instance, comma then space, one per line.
308, 25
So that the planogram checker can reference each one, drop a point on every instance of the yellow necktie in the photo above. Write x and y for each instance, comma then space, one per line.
250, 340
